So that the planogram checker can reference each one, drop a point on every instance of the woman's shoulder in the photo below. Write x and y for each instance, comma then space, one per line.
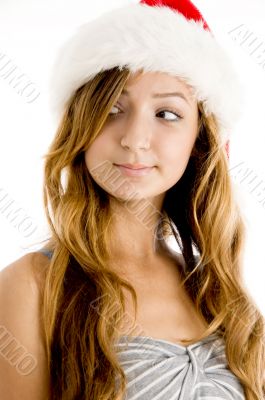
26, 272
21, 324
21, 294
21, 286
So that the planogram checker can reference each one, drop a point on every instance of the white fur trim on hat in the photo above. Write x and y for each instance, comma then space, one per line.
156, 39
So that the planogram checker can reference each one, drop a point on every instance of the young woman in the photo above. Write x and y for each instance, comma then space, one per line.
145, 98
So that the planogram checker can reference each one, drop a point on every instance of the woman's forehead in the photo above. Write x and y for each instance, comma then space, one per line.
159, 82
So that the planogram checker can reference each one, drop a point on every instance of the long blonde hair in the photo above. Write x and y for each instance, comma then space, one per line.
83, 298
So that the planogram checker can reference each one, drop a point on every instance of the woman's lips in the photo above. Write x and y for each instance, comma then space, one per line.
134, 172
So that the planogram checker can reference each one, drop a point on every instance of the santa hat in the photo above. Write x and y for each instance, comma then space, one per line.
168, 36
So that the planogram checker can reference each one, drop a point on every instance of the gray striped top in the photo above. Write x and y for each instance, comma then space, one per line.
157, 369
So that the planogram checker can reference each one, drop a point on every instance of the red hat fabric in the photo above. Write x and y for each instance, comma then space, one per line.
185, 7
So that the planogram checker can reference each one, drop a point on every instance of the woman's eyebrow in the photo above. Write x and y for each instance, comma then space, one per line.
160, 95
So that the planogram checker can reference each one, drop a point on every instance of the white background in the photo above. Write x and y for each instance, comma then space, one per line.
30, 33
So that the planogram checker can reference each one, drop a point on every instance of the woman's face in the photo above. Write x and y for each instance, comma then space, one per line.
145, 126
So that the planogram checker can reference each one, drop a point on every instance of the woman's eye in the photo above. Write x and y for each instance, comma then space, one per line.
166, 111
172, 113
114, 113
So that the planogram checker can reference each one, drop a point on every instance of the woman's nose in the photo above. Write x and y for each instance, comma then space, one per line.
136, 135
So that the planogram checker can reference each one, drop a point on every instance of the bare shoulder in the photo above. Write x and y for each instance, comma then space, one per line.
30, 265
23, 363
